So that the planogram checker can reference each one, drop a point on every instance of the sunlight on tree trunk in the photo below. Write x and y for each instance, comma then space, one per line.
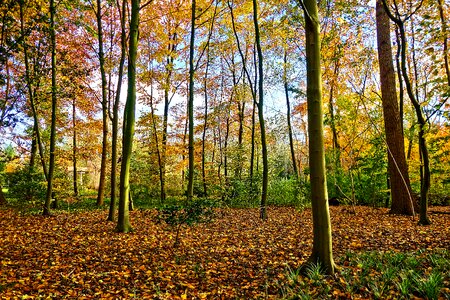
322, 247
115, 112
123, 222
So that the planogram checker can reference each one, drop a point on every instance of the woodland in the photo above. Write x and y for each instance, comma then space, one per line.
224, 149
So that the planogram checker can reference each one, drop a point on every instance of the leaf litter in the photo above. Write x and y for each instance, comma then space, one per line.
235, 256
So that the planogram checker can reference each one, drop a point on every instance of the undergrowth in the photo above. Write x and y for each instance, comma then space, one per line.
421, 274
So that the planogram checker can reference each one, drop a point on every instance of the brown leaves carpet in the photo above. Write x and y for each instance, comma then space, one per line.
79, 255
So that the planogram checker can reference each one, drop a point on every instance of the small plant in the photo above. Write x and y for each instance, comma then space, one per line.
189, 213
431, 287
314, 271
404, 286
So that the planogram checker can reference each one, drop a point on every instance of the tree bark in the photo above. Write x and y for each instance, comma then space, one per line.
123, 222
51, 168
265, 179
190, 188
401, 194
423, 148
101, 56
115, 114
322, 246
205, 123
288, 115
445, 39
31, 94
3, 201
74, 149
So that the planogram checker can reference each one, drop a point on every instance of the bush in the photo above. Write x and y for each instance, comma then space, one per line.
283, 191
27, 185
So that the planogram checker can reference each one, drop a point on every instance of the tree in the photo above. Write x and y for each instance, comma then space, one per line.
265, 179
402, 201
51, 167
190, 187
288, 114
115, 112
423, 148
322, 246
104, 102
123, 222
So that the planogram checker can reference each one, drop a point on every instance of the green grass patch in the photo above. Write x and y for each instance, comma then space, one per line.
376, 275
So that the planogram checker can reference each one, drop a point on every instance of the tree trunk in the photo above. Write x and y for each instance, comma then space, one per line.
402, 200
74, 150
322, 246
265, 179
288, 115
123, 222
51, 168
425, 179
205, 124
36, 131
101, 57
445, 39
115, 116
3, 201
190, 189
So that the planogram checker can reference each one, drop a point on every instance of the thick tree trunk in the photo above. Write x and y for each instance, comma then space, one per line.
51, 168
265, 179
190, 189
101, 56
402, 200
123, 222
425, 179
322, 246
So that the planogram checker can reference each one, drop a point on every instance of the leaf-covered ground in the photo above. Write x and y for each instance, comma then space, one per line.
234, 256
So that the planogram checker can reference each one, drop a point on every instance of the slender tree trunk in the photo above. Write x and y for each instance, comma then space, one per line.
104, 83
265, 180
115, 116
205, 124
400, 81
36, 131
123, 222
3, 201
48, 197
401, 194
322, 246
252, 148
445, 39
33, 150
74, 149
288, 115
190, 190
425, 179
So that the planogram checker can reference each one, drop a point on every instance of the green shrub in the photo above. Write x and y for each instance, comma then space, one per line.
27, 185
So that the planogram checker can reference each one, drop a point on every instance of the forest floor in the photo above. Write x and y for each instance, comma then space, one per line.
236, 256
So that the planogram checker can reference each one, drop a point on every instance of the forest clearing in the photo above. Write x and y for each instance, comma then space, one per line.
225, 149
234, 256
